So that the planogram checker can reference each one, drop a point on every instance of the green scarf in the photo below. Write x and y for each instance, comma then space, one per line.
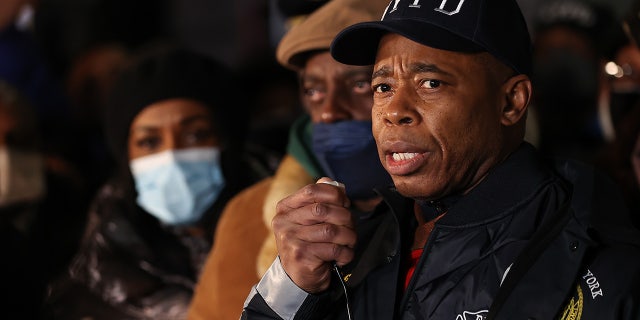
299, 146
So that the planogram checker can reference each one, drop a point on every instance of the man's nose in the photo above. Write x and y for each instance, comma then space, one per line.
335, 107
400, 110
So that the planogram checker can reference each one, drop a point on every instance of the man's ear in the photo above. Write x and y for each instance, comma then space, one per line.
517, 90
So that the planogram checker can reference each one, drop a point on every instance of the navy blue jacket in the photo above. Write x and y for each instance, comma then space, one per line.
534, 240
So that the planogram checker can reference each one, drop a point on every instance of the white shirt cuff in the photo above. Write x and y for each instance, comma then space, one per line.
279, 292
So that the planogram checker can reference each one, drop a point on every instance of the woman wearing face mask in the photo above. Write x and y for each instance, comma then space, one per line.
151, 225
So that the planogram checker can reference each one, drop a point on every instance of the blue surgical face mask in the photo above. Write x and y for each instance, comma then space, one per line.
347, 153
178, 186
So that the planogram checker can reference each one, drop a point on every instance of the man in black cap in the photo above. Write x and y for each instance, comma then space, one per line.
479, 225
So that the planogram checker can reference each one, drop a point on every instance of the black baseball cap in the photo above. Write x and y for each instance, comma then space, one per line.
494, 26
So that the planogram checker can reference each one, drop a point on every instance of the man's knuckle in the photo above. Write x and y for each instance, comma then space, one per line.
281, 207
318, 209
296, 254
329, 231
308, 190
277, 223
337, 249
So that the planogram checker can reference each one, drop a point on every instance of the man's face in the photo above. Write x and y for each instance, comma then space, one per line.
332, 91
436, 117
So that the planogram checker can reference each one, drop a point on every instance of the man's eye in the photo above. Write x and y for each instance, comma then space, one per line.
362, 87
313, 94
431, 84
381, 88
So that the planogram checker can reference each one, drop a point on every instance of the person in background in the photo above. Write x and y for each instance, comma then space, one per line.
172, 124
573, 41
274, 105
24, 65
620, 158
334, 139
624, 82
630, 56
41, 212
478, 223
89, 80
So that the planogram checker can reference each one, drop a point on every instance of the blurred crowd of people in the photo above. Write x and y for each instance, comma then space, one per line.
126, 126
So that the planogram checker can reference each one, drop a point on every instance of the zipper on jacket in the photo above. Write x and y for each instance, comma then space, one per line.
419, 266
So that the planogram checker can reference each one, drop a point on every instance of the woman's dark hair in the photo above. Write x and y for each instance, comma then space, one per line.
165, 72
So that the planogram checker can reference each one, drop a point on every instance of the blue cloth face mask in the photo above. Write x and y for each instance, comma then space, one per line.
178, 186
347, 153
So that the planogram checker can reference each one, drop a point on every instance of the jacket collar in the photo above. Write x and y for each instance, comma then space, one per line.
518, 177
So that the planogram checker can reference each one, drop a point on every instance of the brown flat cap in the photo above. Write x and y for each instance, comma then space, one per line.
318, 30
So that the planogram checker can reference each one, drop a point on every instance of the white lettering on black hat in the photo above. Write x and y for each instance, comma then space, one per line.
416, 4
395, 7
443, 3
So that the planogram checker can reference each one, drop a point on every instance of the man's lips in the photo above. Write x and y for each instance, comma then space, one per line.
403, 159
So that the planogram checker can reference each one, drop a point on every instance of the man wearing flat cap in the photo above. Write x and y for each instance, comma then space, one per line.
333, 138
478, 224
